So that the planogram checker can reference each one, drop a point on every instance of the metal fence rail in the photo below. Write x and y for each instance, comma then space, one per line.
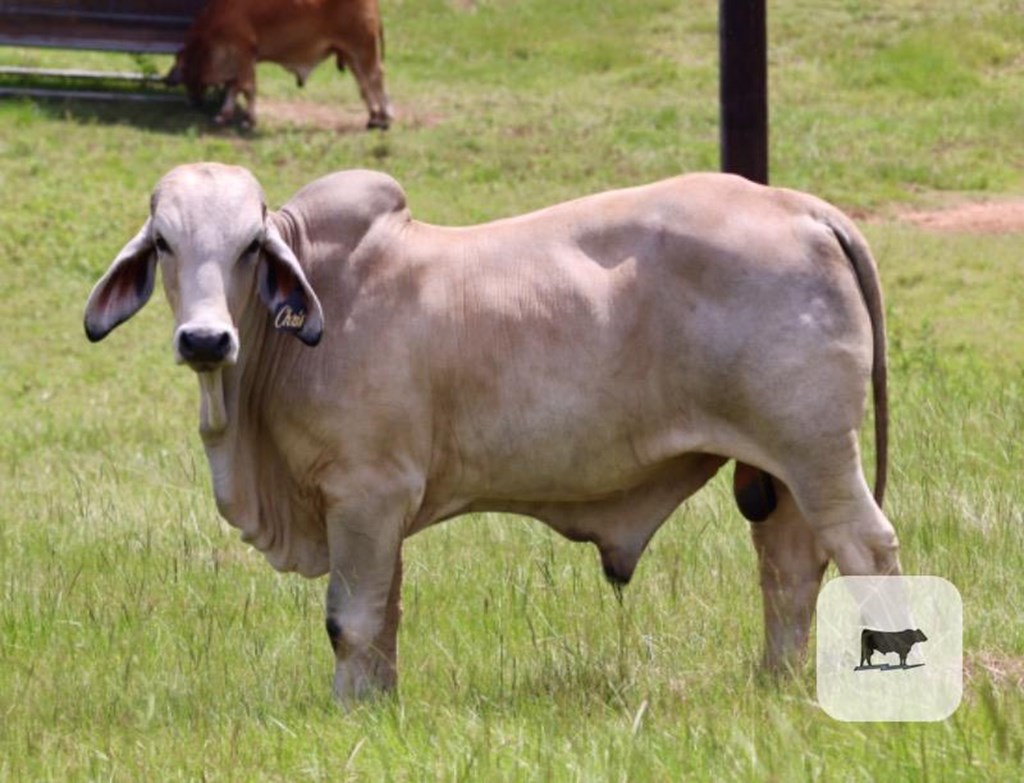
144, 26
130, 26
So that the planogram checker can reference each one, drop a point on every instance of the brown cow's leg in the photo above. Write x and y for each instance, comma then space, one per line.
227, 110
247, 87
366, 67
244, 85
791, 567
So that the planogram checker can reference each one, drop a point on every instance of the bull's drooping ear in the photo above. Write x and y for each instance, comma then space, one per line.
285, 291
125, 287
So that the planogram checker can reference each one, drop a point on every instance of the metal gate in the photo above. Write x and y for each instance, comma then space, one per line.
155, 26
130, 26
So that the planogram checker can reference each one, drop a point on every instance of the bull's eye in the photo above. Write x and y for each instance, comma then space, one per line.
253, 247
161, 244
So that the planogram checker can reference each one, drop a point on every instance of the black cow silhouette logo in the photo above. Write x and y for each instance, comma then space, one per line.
885, 642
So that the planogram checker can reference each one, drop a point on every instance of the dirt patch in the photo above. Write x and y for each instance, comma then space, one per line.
996, 217
319, 116
306, 114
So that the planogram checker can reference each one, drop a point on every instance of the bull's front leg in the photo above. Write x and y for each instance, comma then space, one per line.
791, 566
363, 599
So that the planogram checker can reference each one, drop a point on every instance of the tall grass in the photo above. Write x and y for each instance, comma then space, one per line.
139, 639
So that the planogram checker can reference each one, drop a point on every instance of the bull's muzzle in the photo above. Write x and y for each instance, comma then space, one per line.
205, 348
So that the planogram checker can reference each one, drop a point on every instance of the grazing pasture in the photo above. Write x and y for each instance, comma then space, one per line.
139, 639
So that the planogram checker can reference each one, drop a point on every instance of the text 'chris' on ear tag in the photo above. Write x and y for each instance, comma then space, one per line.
290, 315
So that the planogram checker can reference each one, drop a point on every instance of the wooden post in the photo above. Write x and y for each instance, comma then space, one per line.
743, 95
743, 87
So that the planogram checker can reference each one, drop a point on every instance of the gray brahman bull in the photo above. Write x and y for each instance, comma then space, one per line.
591, 365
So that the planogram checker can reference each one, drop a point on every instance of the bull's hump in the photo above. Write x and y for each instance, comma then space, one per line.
343, 206
372, 192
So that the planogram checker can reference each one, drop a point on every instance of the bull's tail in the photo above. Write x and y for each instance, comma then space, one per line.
855, 247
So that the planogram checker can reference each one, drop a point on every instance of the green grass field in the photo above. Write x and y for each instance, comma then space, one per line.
141, 640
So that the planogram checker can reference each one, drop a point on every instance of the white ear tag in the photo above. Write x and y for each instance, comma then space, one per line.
290, 315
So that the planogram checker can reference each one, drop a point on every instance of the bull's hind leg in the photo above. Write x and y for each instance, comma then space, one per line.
791, 566
848, 524
825, 511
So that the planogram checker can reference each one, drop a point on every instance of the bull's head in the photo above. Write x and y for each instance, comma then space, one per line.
208, 232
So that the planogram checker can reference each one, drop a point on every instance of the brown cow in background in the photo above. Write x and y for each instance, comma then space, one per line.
228, 38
